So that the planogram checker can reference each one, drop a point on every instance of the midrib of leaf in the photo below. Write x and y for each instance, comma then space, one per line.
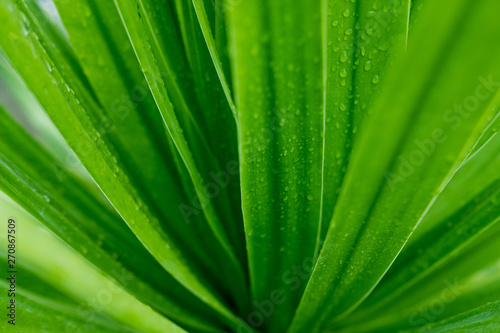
70, 118
279, 89
356, 240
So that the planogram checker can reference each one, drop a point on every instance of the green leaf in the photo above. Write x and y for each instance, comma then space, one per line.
47, 257
128, 107
436, 247
467, 207
215, 97
363, 37
217, 111
476, 174
195, 13
153, 61
220, 36
24, 47
460, 284
42, 315
279, 95
409, 149
252, 166
51, 194
29, 112
483, 319
490, 133
418, 9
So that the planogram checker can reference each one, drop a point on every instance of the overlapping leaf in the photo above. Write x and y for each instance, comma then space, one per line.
363, 38
483, 319
128, 102
277, 65
330, 118
78, 121
412, 145
462, 283
461, 222
80, 281
67, 207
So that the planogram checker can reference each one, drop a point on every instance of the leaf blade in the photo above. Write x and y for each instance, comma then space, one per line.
482, 319
79, 131
355, 249
279, 94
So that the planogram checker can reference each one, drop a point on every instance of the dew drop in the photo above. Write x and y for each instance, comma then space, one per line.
343, 57
368, 65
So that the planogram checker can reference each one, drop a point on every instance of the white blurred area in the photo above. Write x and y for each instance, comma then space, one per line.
20, 103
